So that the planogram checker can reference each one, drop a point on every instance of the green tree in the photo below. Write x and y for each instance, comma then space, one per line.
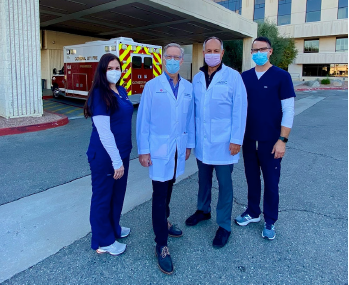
284, 49
233, 54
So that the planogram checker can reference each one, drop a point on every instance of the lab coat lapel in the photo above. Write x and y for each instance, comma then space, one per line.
203, 81
217, 77
167, 85
180, 89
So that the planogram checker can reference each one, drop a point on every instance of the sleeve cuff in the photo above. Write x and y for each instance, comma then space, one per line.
235, 141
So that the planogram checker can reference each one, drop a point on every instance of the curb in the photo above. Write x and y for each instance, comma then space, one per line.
320, 88
37, 127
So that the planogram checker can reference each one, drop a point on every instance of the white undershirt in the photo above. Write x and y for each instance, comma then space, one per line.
102, 124
287, 107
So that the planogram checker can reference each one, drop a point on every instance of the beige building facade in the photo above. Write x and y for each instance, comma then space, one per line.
319, 27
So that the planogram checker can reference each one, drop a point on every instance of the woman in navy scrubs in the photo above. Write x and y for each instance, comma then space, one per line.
108, 154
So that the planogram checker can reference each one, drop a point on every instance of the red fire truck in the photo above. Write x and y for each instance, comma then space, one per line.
140, 63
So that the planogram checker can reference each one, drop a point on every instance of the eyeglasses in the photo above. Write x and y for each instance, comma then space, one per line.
173, 57
263, 49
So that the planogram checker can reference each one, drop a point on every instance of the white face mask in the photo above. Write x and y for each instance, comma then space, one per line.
113, 76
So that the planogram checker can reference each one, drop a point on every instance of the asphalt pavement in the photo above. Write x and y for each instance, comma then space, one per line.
311, 246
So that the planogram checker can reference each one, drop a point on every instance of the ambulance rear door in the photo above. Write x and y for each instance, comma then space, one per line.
141, 71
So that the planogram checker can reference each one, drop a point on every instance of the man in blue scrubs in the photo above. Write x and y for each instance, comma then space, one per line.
270, 97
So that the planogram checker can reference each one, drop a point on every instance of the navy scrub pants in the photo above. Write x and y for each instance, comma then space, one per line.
225, 198
162, 192
107, 200
257, 158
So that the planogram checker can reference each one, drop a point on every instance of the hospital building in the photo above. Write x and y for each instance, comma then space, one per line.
319, 27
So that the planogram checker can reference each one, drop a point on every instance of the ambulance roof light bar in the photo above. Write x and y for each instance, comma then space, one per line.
123, 39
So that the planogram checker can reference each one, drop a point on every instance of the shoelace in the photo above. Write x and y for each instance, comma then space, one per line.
268, 227
165, 252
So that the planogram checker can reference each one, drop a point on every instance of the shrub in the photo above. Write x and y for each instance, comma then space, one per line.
325, 81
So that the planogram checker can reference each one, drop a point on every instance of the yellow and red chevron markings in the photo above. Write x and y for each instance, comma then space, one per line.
125, 58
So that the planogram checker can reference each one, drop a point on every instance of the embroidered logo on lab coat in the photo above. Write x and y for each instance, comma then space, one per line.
161, 91
222, 82
187, 95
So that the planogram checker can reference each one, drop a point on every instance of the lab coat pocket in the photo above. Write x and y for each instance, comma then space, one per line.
220, 92
220, 130
159, 146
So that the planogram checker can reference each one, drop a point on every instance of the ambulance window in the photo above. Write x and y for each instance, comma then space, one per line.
113, 48
136, 62
106, 48
148, 62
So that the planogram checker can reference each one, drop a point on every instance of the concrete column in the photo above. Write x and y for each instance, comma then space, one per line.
20, 68
247, 62
198, 58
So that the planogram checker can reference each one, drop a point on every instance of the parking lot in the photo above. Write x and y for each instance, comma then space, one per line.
72, 108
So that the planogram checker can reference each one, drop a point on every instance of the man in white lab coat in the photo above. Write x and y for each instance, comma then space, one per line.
165, 137
220, 120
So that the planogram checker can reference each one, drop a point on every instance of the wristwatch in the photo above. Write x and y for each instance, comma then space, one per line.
283, 139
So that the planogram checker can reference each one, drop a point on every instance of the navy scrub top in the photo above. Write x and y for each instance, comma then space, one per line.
264, 111
120, 122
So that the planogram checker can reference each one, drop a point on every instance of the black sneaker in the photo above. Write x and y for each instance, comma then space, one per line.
197, 217
164, 259
221, 238
173, 230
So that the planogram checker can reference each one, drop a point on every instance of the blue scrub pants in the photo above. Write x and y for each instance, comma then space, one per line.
107, 200
256, 160
225, 196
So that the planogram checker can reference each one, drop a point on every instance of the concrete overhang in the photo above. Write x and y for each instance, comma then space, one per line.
148, 21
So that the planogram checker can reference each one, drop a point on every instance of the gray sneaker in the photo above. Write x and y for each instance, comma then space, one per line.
114, 249
268, 231
125, 232
244, 219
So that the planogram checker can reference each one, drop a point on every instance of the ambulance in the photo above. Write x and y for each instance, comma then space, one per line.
140, 63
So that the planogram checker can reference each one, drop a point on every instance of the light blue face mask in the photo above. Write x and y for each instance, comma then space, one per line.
260, 58
172, 65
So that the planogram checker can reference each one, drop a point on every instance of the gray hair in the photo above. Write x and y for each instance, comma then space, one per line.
174, 45
212, 38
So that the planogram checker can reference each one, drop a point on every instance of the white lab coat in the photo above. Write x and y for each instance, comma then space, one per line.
220, 115
165, 124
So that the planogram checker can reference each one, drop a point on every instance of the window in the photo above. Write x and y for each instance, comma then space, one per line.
136, 62
339, 70
311, 46
284, 12
332, 70
234, 5
148, 62
342, 9
259, 7
313, 11
316, 69
342, 44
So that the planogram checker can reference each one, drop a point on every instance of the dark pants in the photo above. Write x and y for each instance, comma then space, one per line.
256, 160
225, 198
162, 192
106, 203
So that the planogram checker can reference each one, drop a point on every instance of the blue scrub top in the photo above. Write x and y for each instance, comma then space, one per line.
264, 111
120, 122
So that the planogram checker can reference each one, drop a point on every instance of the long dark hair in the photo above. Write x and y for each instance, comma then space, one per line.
100, 82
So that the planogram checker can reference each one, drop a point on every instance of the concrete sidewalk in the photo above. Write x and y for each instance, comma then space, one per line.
311, 243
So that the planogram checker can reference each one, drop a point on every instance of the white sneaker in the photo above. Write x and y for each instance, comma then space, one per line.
114, 249
125, 232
